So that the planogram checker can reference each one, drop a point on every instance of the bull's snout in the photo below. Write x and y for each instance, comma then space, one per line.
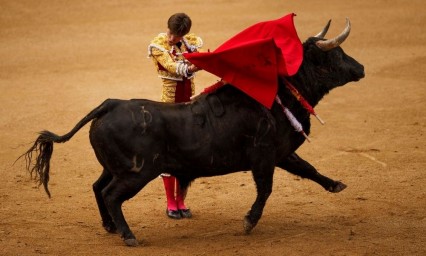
358, 73
362, 73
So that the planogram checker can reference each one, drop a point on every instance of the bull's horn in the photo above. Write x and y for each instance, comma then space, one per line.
332, 43
324, 30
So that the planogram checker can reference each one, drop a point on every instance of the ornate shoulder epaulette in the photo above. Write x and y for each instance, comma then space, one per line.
192, 42
159, 42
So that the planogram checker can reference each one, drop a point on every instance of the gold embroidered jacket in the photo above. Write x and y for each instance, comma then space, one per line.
170, 64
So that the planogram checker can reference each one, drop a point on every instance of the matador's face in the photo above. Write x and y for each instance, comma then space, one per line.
172, 39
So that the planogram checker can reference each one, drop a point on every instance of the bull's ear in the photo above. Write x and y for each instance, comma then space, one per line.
311, 51
329, 44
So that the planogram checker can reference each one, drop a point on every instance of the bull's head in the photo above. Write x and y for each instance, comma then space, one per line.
325, 64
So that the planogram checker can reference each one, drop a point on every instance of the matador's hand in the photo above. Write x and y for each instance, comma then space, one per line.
192, 68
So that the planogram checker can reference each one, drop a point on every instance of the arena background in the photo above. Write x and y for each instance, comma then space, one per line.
60, 59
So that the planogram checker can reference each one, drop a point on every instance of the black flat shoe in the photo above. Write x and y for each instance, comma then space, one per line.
185, 213
173, 214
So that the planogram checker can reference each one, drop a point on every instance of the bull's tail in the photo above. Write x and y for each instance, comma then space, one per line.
43, 146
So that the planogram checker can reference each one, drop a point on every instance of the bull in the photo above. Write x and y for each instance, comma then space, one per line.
218, 133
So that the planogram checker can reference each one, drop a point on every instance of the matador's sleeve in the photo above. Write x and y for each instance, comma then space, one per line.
168, 66
165, 59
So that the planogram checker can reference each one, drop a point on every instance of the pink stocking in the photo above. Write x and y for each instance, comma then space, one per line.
169, 186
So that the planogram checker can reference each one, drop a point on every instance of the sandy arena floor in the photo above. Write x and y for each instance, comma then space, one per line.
60, 59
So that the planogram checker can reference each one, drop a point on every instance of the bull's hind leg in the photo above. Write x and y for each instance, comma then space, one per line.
119, 190
263, 176
296, 165
98, 186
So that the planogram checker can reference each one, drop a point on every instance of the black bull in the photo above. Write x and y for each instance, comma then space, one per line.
218, 133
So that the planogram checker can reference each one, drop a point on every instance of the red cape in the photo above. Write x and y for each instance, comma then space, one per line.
253, 59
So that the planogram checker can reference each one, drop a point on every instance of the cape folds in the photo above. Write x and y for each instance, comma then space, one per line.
253, 59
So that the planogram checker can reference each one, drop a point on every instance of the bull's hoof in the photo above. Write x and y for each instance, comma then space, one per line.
338, 187
248, 226
131, 242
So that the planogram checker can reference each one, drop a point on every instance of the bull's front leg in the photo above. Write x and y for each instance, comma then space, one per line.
296, 165
263, 176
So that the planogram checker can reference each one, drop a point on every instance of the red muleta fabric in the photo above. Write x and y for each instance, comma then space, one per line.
253, 59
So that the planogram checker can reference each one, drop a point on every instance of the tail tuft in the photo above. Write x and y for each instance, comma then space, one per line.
39, 167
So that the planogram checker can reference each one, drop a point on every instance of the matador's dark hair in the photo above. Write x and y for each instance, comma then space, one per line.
179, 24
